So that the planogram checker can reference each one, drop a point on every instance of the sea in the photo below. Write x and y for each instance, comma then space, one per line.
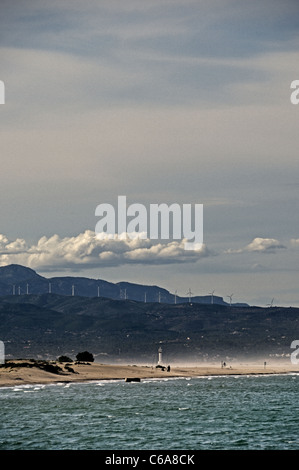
205, 413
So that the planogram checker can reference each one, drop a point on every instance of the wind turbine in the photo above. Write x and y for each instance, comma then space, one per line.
230, 299
145, 297
189, 293
27, 289
159, 297
271, 304
123, 294
50, 288
212, 296
175, 296
73, 290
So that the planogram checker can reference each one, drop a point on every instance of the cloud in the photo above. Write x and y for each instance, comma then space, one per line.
260, 245
15, 247
264, 245
295, 241
88, 250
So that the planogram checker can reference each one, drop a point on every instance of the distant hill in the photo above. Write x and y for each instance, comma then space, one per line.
20, 280
48, 325
15, 273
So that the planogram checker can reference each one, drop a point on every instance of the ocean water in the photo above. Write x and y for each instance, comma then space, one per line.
236, 412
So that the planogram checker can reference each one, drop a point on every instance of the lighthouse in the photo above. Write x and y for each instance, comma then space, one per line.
160, 356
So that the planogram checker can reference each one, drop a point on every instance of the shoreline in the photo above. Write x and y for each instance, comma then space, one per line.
30, 372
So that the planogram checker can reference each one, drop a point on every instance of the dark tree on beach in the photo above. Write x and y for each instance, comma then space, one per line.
85, 356
64, 359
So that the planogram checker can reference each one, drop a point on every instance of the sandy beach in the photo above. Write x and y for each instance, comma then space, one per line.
29, 372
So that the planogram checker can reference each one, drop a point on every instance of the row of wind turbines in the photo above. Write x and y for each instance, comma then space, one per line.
189, 293
123, 294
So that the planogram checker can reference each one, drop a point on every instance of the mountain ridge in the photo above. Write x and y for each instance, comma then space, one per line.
46, 325
17, 280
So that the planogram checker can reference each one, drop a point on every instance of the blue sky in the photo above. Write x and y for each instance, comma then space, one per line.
161, 101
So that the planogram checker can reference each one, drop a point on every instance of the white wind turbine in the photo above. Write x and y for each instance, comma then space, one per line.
123, 293
189, 293
230, 299
212, 296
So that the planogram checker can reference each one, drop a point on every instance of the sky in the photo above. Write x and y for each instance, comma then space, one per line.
163, 101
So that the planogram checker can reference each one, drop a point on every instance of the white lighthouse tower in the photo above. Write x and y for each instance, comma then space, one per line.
160, 356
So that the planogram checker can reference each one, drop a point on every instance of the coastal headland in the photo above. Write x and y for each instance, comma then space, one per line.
30, 371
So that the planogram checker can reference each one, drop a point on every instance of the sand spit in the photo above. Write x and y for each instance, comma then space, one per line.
18, 372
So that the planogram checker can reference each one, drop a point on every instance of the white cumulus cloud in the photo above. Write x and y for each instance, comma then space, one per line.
260, 245
90, 250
